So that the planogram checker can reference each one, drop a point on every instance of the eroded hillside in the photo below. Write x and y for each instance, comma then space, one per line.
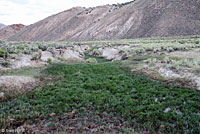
140, 18
10, 30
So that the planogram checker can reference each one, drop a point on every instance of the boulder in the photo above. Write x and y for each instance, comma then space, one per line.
2, 95
46, 55
111, 54
72, 54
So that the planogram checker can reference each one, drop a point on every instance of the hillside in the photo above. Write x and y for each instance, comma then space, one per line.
140, 18
10, 30
2, 26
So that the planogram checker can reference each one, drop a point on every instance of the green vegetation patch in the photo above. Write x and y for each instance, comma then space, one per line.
98, 59
109, 89
3, 53
145, 57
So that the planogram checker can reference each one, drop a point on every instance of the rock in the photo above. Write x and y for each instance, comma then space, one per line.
52, 114
111, 54
46, 55
178, 112
71, 54
167, 110
1, 60
81, 48
2, 95
156, 99
166, 72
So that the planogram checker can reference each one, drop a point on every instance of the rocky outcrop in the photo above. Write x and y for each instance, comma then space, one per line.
42, 58
10, 30
111, 54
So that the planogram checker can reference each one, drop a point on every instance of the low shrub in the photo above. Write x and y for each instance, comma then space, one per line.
3, 53
49, 60
169, 49
91, 60
5, 63
13, 56
34, 49
197, 42
27, 51
21, 47
125, 55
37, 56
43, 47
52, 50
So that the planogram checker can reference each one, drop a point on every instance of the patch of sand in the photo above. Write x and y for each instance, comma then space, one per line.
19, 82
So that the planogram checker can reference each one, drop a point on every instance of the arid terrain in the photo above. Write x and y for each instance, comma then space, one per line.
130, 68
8, 31
2, 26
139, 18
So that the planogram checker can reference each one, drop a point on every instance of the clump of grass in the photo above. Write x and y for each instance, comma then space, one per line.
98, 59
49, 60
146, 57
91, 60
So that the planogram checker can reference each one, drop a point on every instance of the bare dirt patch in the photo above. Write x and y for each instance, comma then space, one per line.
186, 54
47, 55
17, 81
14, 85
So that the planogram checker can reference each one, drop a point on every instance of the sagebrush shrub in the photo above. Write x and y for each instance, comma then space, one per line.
91, 60
3, 53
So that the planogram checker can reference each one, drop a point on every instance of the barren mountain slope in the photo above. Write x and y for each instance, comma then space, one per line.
140, 18
2, 26
10, 30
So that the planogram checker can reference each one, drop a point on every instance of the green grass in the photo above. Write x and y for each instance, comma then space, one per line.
145, 57
108, 91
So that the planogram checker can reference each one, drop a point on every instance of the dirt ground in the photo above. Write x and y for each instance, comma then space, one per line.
13, 85
185, 54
